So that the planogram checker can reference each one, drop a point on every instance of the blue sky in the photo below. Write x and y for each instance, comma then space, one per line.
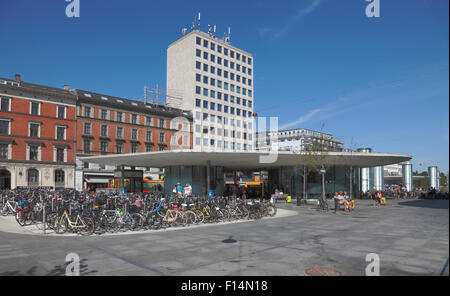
371, 82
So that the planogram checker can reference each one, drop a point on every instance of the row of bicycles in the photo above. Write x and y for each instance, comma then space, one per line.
82, 213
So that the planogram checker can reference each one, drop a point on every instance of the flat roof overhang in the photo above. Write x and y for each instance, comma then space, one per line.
245, 160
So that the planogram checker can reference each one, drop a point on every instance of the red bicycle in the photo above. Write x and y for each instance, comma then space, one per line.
24, 214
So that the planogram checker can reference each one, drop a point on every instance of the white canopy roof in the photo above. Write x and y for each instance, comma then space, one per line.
244, 160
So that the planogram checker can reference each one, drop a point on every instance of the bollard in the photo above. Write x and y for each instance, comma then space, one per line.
336, 205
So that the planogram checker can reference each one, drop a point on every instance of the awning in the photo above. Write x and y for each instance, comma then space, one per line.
97, 180
248, 160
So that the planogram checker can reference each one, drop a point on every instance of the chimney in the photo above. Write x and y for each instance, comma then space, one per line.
17, 77
66, 86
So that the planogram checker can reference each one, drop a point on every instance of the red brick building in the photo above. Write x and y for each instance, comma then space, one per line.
111, 125
37, 135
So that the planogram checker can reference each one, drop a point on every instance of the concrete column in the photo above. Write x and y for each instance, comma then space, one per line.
407, 172
433, 177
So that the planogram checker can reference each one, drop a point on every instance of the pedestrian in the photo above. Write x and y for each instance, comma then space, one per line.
179, 189
187, 190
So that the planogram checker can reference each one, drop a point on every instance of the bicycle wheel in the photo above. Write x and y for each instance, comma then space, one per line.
190, 217
138, 222
88, 228
5, 210
60, 225
272, 211
20, 218
199, 217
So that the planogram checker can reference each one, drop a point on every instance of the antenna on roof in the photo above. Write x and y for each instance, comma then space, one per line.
183, 31
214, 30
199, 20
209, 29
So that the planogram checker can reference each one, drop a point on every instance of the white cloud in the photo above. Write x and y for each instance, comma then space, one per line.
281, 31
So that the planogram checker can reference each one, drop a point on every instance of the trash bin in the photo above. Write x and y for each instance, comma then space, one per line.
288, 199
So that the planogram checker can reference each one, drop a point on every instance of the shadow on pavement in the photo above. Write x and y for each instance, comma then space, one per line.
431, 204
58, 270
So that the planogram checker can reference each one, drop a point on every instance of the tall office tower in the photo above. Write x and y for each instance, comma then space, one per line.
215, 81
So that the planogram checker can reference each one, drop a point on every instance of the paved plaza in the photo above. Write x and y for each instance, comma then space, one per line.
411, 237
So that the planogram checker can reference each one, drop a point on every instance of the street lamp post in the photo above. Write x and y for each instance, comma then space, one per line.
323, 172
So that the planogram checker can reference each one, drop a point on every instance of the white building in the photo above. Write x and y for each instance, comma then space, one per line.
215, 82
296, 140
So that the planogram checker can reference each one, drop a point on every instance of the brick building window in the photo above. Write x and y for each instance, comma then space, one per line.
134, 147
61, 112
87, 146
60, 133
34, 152
34, 109
59, 176
4, 127
33, 176
5, 105
119, 148
34, 130
162, 138
87, 128
59, 154
4, 151
104, 147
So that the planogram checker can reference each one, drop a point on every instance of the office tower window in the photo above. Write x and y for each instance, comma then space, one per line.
232, 76
249, 93
213, 70
219, 95
199, 41
213, 94
205, 79
205, 92
232, 65
238, 56
219, 60
219, 49
249, 61
198, 53
225, 97
225, 51
205, 104
225, 63
198, 65
244, 59
205, 67
212, 106
198, 77
249, 71
205, 116
213, 58
198, 90
213, 46
219, 107
219, 72
197, 103
249, 82
225, 74
205, 55
205, 43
